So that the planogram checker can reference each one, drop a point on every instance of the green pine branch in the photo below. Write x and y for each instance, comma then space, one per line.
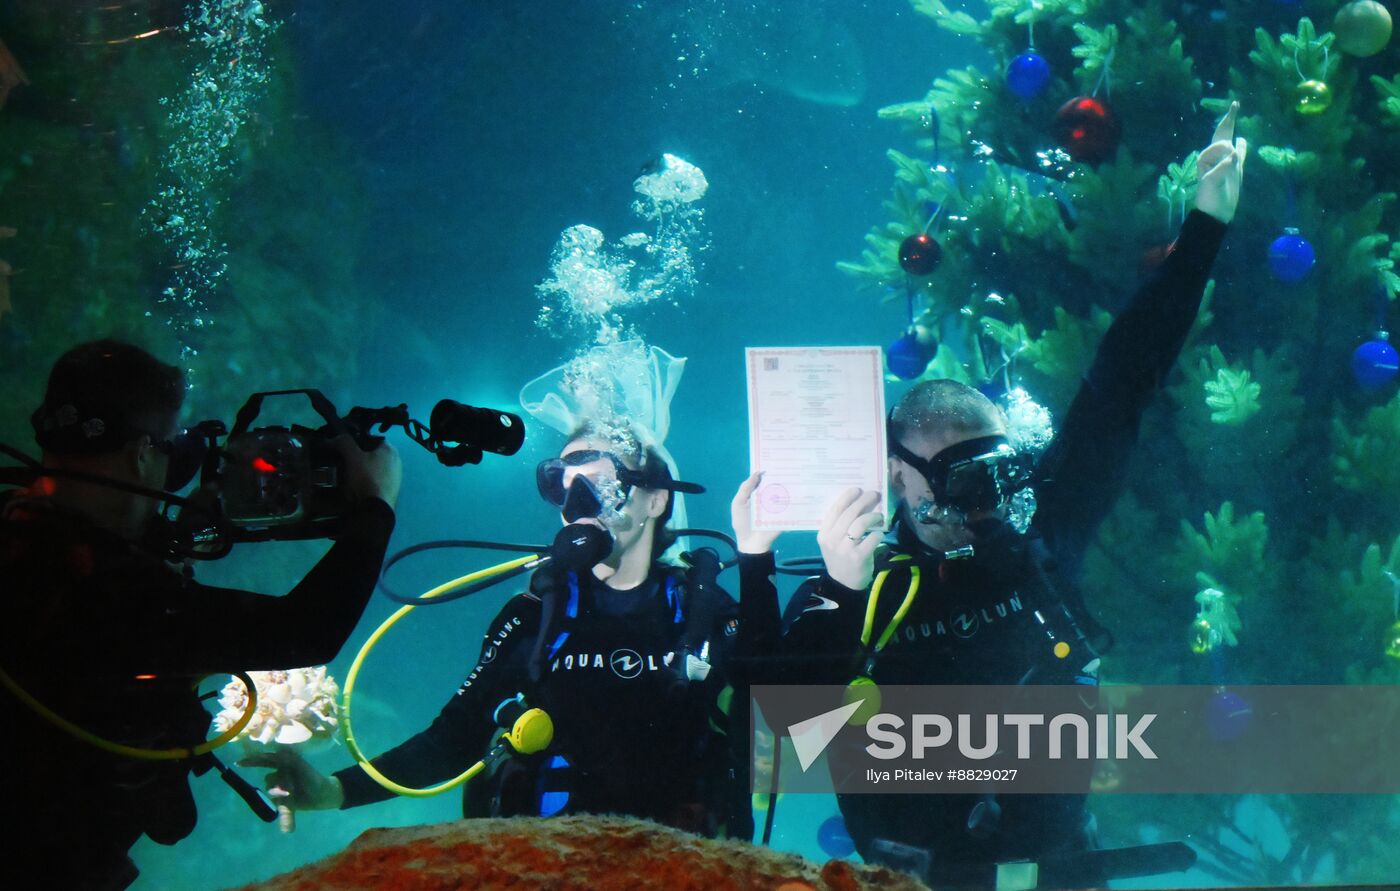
1289, 162
1096, 50
1366, 456
1367, 257
1230, 550
956, 22
1177, 187
1061, 354
1389, 101
1230, 394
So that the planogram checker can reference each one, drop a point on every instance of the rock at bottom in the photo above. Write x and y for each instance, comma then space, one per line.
585, 852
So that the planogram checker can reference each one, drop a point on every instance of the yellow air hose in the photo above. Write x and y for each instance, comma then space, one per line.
532, 732
174, 754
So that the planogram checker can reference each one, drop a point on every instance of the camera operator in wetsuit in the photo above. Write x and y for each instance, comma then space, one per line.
102, 632
971, 623
627, 653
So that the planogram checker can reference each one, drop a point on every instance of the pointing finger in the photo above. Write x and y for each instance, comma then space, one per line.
1225, 130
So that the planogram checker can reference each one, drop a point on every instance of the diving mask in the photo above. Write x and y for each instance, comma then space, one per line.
185, 454
600, 493
587, 495
978, 475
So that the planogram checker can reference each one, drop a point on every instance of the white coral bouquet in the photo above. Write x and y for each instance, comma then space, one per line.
296, 707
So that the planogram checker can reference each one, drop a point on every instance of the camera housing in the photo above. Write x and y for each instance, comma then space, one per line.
285, 483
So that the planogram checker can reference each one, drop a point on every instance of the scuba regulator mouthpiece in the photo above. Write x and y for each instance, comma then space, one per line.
581, 546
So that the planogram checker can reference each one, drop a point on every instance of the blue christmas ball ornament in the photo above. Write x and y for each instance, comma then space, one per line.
1028, 74
1291, 257
835, 841
907, 357
1375, 363
1228, 716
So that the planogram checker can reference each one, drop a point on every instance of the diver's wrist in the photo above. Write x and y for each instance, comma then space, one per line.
335, 793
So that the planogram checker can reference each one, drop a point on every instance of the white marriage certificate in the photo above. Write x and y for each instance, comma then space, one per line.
816, 428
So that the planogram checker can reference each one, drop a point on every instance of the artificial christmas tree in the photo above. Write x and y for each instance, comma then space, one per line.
1256, 542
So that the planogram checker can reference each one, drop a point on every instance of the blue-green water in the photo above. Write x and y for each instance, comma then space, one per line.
462, 138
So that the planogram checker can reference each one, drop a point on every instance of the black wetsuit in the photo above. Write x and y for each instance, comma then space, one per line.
113, 639
971, 622
631, 734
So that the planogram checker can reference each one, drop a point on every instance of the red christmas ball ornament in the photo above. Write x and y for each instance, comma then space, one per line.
1087, 129
920, 254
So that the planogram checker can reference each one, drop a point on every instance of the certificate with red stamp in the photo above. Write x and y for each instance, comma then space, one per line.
816, 428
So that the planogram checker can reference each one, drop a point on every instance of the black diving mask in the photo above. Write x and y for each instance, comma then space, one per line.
978, 475
593, 495
185, 453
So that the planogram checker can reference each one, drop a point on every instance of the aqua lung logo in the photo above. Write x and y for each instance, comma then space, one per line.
490, 650
626, 664
963, 622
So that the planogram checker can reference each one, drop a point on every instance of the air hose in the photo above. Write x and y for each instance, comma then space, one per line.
531, 731
172, 754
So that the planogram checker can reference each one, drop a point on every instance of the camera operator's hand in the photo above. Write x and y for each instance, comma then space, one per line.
849, 535
294, 783
373, 474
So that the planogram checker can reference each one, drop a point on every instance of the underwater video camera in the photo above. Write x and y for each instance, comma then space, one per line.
282, 483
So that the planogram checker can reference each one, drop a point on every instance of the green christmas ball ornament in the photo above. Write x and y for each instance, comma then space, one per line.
1362, 28
1392, 642
1312, 97
867, 693
1203, 638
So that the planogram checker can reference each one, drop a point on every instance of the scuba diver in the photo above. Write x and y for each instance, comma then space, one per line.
626, 653
102, 633
967, 600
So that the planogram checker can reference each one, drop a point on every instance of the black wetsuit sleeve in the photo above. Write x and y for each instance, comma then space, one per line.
200, 628
459, 735
822, 633
1082, 473
760, 620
